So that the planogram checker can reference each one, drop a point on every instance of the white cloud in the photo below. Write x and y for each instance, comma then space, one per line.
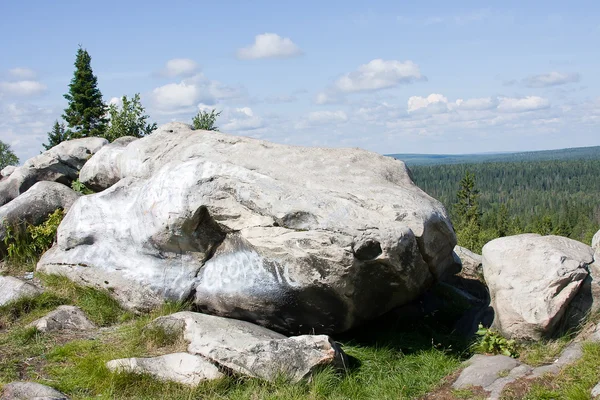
483, 103
551, 79
175, 95
23, 88
523, 104
327, 117
379, 74
22, 73
241, 119
181, 67
269, 45
434, 103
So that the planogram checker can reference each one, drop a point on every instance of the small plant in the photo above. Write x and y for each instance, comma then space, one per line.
25, 243
491, 342
205, 120
79, 187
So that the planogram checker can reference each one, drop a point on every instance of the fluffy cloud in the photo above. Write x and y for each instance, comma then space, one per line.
24, 88
269, 45
551, 79
181, 67
379, 74
241, 119
434, 103
437, 103
22, 73
529, 103
483, 103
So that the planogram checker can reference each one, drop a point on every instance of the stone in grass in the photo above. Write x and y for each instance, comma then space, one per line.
64, 318
596, 391
13, 289
29, 391
184, 368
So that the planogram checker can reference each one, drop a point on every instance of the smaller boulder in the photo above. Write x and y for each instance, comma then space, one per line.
182, 368
471, 262
247, 349
30, 391
103, 169
7, 171
12, 289
596, 391
64, 318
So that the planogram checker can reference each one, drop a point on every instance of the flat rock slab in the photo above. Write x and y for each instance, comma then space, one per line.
12, 289
532, 280
483, 370
184, 368
64, 318
251, 350
297, 239
30, 391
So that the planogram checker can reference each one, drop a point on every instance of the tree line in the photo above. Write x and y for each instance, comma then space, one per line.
87, 115
490, 200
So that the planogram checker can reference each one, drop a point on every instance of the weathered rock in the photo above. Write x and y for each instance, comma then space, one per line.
7, 171
59, 164
30, 391
596, 391
12, 289
34, 206
297, 239
103, 169
251, 350
184, 368
596, 242
532, 279
483, 371
64, 318
471, 262
572, 353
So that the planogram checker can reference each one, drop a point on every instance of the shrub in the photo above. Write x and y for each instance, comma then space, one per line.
491, 342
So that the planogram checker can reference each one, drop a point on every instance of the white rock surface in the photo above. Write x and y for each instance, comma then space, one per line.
596, 391
252, 350
103, 169
532, 279
34, 206
182, 368
297, 239
64, 318
596, 242
7, 171
471, 262
59, 164
12, 289
30, 391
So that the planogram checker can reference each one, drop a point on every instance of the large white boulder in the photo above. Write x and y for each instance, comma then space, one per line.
251, 350
295, 238
59, 164
103, 169
532, 280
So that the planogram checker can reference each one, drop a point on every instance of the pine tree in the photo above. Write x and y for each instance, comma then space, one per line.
86, 113
56, 135
502, 221
466, 208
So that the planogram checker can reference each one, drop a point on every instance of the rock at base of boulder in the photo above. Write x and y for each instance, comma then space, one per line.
247, 349
12, 289
596, 391
184, 368
64, 318
30, 390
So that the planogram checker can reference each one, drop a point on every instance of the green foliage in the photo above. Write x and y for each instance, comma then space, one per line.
86, 112
56, 135
491, 342
205, 120
7, 157
25, 243
79, 187
128, 120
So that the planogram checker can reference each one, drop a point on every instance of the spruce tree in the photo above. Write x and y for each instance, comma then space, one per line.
7, 156
86, 113
56, 135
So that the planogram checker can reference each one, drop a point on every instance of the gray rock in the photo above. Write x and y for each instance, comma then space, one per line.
596, 242
12, 289
34, 206
572, 353
182, 368
297, 239
532, 279
251, 350
596, 391
64, 318
471, 262
7, 171
103, 169
483, 371
59, 164
30, 391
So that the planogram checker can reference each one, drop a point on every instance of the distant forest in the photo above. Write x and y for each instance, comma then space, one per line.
548, 197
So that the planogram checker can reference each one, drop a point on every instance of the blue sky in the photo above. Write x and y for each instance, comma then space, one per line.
390, 76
